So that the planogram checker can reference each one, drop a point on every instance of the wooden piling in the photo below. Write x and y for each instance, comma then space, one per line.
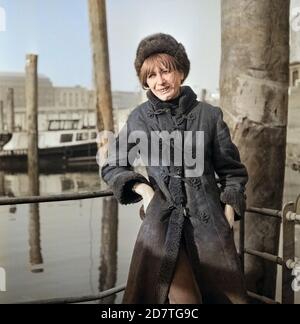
254, 84
10, 110
32, 122
1, 117
104, 111
99, 42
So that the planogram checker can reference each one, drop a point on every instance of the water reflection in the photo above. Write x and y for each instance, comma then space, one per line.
18, 184
109, 248
35, 250
106, 262
75, 243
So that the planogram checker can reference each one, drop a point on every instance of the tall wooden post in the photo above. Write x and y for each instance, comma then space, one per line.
1, 117
109, 232
10, 110
97, 14
254, 96
32, 122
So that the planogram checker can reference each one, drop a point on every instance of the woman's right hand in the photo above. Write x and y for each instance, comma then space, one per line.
146, 192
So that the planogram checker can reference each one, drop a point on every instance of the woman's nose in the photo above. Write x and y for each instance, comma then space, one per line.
160, 79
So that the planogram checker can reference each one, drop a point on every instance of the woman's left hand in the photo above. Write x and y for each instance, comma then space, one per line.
229, 213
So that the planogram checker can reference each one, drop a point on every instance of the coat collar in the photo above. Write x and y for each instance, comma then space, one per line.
180, 105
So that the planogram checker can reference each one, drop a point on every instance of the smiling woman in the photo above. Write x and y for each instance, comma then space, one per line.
162, 75
184, 252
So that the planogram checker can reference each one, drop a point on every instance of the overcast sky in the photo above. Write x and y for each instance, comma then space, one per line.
58, 31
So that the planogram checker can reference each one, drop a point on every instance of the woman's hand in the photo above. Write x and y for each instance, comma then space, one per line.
145, 191
229, 213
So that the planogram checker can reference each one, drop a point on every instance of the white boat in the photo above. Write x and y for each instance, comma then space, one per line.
4, 138
65, 145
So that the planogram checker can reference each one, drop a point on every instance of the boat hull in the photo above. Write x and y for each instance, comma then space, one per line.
57, 159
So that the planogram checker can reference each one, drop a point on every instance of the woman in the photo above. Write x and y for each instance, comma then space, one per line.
185, 251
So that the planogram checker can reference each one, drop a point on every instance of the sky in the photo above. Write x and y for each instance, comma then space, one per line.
58, 31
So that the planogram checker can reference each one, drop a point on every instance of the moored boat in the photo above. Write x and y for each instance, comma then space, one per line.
64, 146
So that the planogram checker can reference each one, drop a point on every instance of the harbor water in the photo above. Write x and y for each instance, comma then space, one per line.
57, 253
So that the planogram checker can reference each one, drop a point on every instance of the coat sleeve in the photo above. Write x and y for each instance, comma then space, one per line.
232, 173
118, 173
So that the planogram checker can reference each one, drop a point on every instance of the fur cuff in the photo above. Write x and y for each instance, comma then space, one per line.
122, 187
236, 199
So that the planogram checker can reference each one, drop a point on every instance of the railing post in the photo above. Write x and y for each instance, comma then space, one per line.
288, 245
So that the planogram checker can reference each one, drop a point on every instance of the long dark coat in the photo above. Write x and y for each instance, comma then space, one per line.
184, 210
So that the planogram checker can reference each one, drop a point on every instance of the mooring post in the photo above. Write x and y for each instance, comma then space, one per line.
105, 121
36, 259
32, 123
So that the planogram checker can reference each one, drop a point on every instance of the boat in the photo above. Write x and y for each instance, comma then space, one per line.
4, 138
65, 146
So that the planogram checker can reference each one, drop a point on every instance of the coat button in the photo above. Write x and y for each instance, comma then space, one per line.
150, 114
204, 217
178, 171
171, 207
196, 183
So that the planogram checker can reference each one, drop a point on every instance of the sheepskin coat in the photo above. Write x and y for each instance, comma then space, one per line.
184, 210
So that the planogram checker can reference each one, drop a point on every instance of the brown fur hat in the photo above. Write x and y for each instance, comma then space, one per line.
161, 43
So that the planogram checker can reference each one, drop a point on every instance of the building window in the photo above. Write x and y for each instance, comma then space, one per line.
295, 77
76, 100
82, 136
70, 100
66, 138
93, 135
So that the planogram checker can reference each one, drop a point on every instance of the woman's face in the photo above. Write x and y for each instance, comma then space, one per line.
163, 83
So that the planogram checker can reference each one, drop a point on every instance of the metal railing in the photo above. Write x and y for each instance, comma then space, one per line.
54, 198
289, 215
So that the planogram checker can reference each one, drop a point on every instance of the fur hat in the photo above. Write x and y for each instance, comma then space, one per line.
161, 43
